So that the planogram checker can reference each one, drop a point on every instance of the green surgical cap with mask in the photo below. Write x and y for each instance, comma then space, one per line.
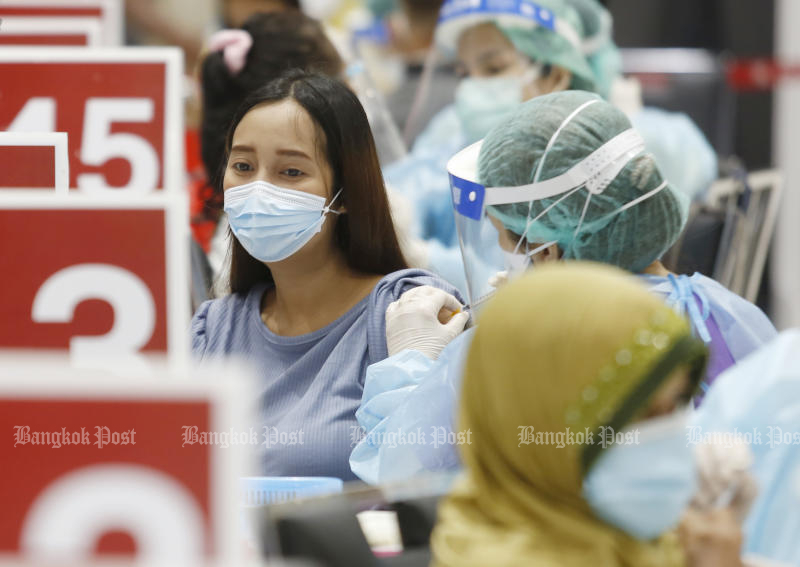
631, 239
544, 45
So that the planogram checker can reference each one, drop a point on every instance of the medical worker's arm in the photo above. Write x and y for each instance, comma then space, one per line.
407, 413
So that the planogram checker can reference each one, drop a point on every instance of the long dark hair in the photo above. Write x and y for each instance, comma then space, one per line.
365, 234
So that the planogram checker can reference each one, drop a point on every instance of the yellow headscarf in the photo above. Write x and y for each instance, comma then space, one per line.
571, 345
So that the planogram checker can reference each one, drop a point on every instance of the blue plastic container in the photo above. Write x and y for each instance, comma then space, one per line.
264, 490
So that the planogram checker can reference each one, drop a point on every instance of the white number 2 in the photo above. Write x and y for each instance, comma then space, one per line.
67, 519
99, 144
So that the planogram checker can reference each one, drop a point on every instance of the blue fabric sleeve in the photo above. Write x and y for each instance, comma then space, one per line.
390, 289
199, 338
407, 415
744, 326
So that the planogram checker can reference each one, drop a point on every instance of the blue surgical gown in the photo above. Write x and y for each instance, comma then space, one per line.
760, 400
411, 393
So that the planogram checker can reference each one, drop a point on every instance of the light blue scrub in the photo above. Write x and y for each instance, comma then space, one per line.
760, 398
408, 392
681, 151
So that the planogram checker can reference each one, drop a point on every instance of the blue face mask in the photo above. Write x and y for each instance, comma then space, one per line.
643, 489
271, 222
484, 102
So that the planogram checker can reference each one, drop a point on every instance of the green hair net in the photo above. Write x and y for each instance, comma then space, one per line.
600, 51
631, 239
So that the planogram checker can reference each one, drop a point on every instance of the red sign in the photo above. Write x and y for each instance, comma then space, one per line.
83, 32
108, 13
100, 464
760, 74
97, 278
121, 109
34, 161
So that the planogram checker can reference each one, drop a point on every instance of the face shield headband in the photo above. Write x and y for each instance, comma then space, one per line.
459, 15
594, 173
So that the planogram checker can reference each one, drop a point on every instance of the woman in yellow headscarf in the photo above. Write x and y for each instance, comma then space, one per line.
583, 349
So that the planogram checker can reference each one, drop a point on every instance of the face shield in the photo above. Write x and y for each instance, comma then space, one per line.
491, 252
456, 16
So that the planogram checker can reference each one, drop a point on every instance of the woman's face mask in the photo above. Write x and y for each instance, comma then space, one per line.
276, 185
643, 488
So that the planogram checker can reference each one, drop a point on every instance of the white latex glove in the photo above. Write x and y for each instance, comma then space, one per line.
725, 479
499, 279
413, 321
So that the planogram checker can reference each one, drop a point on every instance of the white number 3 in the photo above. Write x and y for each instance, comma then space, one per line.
134, 308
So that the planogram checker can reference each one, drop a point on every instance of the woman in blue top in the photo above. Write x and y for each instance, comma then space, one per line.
314, 264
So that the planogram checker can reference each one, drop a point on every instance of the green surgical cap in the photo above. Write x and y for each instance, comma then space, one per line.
600, 51
631, 239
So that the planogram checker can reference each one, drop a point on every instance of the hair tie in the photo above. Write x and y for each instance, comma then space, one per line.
235, 45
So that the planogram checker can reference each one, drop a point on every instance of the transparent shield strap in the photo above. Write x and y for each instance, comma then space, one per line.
478, 239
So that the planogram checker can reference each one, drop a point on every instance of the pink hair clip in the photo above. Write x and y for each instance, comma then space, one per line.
235, 45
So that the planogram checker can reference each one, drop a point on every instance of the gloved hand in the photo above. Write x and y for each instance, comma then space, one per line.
499, 279
725, 479
424, 319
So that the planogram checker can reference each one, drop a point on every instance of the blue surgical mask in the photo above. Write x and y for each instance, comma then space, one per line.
484, 102
643, 488
271, 222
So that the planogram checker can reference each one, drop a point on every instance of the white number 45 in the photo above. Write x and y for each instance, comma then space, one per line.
99, 143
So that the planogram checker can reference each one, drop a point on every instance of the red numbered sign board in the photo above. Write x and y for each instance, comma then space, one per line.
121, 109
100, 277
78, 32
34, 161
108, 14
98, 464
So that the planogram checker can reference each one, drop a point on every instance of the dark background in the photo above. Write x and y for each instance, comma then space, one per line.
728, 28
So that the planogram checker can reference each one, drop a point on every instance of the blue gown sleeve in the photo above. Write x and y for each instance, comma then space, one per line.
744, 326
758, 402
407, 415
